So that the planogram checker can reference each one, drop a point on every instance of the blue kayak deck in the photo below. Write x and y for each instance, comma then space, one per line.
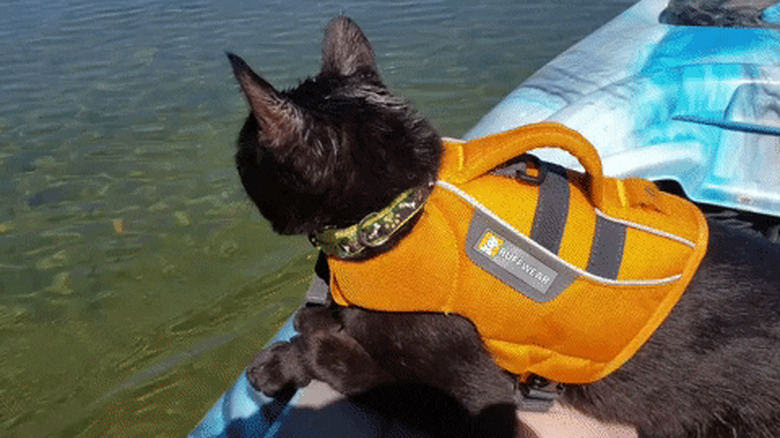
694, 105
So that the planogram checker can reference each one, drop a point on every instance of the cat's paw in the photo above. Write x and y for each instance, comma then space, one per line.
276, 371
309, 320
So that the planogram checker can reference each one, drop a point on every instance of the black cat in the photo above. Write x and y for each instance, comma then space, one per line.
340, 146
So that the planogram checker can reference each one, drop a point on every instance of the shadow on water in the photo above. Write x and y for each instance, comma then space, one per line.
136, 281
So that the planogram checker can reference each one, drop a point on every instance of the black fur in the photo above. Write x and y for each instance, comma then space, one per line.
335, 148
713, 367
340, 146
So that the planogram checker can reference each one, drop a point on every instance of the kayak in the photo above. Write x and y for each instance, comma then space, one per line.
691, 105
688, 104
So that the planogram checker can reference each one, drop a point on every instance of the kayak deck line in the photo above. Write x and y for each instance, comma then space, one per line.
751, 128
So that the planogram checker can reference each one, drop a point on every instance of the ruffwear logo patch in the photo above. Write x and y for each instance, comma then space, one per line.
515, 261
490, 244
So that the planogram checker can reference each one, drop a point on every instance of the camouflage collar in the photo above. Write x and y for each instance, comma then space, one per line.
374, 229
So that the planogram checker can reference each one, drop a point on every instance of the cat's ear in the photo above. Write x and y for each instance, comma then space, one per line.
277, 116
345, 49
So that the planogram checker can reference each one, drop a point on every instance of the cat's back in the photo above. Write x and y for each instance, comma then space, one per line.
713, 367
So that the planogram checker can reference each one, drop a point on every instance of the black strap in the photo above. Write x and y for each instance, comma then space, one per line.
606, 254
552, 208
552, 211
319, 291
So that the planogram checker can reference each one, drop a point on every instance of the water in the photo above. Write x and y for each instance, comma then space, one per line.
136, 281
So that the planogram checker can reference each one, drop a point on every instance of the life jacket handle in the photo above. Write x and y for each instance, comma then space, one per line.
479, 156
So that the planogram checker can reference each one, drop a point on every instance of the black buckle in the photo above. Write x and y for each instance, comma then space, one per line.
525, 176
537, 394
319, 291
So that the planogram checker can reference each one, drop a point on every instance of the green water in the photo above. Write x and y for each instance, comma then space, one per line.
136, 281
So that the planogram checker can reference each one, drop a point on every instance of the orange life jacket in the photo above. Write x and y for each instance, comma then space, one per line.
565, 275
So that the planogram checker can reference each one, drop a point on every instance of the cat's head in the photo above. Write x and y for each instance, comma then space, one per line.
335, 148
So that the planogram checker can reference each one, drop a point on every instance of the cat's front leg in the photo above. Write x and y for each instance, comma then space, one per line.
322, 351
278, 369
